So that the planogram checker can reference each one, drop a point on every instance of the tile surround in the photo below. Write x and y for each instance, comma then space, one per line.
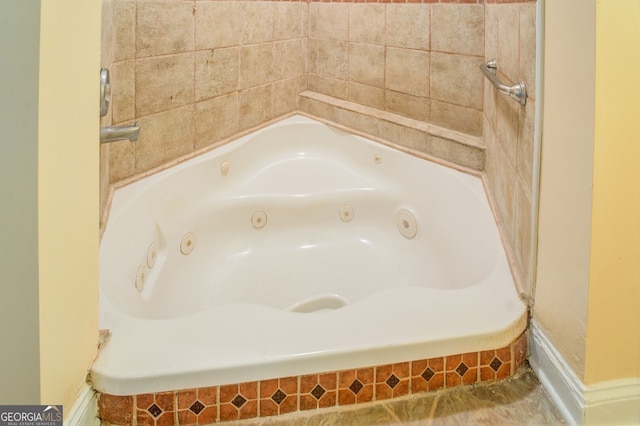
508, 129
168, 54
405, 41
311, 392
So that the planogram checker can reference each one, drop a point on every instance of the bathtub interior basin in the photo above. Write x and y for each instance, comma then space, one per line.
297, 248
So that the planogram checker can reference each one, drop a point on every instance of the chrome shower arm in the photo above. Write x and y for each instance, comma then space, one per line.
118, 133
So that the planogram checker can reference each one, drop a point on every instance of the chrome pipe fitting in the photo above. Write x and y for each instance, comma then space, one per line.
113, 133
118, 133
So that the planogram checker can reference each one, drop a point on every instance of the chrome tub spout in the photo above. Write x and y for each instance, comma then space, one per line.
118, 133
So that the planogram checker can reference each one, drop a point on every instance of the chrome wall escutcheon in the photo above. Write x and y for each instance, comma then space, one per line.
105, 91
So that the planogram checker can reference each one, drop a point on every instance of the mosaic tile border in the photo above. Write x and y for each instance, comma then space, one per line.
283, 395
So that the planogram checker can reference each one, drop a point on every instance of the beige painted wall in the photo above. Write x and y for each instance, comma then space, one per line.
588, 288
613, 323
564, 233
68, 195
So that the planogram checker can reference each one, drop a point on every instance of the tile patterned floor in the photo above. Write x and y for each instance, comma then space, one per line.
517, 401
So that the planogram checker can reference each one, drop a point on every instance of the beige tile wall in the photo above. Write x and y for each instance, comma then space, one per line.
106, 59
508, 128
417, 60
195, 72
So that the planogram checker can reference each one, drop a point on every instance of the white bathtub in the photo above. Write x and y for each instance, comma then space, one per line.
359, 255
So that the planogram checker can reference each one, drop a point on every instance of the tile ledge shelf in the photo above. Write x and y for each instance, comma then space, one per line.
449, 147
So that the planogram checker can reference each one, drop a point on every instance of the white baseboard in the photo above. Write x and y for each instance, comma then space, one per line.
615, 402
85, 410
564, 387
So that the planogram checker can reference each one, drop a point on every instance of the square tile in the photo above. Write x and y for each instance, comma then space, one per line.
217, 24
456, 79
164, 137
163, 83
366, 64
407, 71
408, 26
367, 23
164, 28
458, 28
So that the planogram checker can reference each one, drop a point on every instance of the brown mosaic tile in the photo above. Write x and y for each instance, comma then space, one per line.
289, 385
166, 419
329, 381
504, 371
249, 390
144, 401
268, 387
495, 364
318, 391
187, 418
197, 406
487, 374
268, 408
308, 402
427, 374
143, 418
249, 410
470, 359
116, 409
504, 354
355, 386
308, 382
238, 401
329, 399
165, 401
208, 396
392, 380
486, 357
227, 393
278, 396
156, 409
228, 412
519, 352
290, 404
208, 415
186, 397
461, 369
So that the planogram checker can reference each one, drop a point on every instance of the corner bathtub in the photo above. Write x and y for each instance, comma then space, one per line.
297, 249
